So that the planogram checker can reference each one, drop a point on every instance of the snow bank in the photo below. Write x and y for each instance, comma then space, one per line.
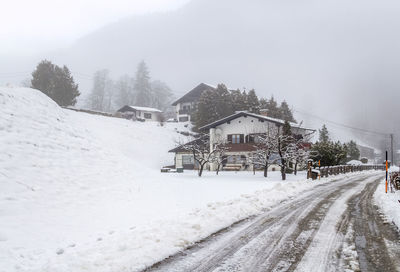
354, 162
388, 203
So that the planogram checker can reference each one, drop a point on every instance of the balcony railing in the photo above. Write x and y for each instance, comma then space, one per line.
185, 111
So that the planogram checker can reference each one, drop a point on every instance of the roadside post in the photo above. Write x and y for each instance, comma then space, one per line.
319, 168
386, 184
309, 167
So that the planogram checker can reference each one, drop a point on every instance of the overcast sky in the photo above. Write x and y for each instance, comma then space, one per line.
51, 24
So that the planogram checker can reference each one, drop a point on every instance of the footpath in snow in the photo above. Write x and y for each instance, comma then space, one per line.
81, 192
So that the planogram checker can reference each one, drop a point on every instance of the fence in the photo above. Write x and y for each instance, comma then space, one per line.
341, 169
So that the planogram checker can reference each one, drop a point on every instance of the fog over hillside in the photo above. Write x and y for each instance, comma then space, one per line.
304, 51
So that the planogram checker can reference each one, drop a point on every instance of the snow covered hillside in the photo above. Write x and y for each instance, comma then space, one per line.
81, 192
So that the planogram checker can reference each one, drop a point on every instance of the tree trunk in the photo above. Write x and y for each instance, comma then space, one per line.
266, 170
218, 169
283, 169
295, 168
201, 169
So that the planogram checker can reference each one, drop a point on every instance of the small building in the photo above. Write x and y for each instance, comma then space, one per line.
140, 113
185, 105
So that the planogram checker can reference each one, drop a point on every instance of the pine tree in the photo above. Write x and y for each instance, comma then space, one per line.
142, 86
323, 135
55, 82
252, 102
272, 108
162, 95
238, 100
353, 153
285, 112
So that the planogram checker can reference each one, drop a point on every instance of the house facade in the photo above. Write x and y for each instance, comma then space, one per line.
187, 104
140, 113
239, 134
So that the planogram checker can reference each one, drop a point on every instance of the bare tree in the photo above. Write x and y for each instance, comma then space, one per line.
218, 153
200, 149
266, 145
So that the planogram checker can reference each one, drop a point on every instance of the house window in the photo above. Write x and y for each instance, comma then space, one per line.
187, 159
236, 138
147, 115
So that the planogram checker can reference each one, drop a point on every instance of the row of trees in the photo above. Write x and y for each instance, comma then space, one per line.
56, 82
109, 95
221, 102
333, 153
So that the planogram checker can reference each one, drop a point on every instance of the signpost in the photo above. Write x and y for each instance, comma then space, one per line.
386, 186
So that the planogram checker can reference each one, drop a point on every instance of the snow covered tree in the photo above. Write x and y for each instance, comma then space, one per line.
56, 82
266, 145
323, 135
124, 90
284, 140
285, 112
238, 100
200, 149
142, 86
272, 108
162, 95
99, 97
253, 105
353, 153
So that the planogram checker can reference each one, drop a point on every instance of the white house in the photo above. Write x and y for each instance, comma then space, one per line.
238, 132
140, 113
185, 105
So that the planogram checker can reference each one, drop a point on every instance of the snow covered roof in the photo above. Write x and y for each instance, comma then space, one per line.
258, 116
138, 108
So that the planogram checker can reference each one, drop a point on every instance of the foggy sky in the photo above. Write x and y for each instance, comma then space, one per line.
338, 60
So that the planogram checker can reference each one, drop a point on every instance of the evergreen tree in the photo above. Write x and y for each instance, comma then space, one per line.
142, 86
252, 102
272, 108
323, 134
238, 100
353, 153
263, 103
55, 82
285, 112
213, 105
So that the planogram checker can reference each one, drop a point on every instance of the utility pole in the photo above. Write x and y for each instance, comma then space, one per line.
391, 148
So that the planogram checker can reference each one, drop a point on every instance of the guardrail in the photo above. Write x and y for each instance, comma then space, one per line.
342, 169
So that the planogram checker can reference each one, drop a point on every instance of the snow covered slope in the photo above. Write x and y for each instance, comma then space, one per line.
81, 192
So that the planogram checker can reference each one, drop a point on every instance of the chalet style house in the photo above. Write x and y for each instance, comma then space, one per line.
239, 134
140, 113
185, 105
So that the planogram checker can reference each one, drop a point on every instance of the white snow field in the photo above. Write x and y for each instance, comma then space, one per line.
81, 192
388, 203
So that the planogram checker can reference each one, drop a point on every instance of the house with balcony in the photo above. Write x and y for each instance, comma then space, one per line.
239, 133
186, 105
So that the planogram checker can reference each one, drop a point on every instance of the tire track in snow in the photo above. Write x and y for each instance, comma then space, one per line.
276, 239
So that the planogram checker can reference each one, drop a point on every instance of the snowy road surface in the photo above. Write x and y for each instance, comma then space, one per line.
334, 227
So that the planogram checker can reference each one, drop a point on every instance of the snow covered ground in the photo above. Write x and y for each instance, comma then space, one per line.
81, 192
388, 203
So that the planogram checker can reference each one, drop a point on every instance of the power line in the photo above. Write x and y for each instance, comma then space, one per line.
342, 125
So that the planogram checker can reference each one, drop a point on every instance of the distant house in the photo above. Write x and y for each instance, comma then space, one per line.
140, 113
239, 132
186, 105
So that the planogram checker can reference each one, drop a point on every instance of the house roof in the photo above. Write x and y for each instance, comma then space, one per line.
137, 108
199, 141
279, 122
194, 94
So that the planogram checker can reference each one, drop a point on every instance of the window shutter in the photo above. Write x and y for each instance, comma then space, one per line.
230, 138
241, 138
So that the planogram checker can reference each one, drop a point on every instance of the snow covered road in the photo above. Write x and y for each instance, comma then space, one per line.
334, 227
